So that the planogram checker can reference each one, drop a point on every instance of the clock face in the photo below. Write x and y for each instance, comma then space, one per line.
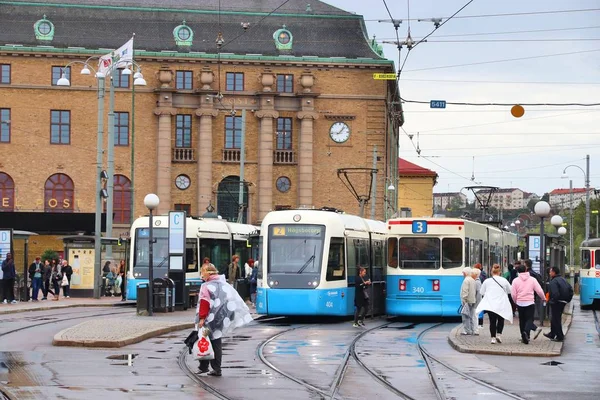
182, 182
339, 132
283, 184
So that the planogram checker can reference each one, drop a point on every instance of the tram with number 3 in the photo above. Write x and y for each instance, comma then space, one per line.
426, 258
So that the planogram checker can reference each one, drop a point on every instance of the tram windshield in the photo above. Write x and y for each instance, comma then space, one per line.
295, 249
160, 249
429, 253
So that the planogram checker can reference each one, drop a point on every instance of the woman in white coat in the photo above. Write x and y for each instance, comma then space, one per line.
495, 291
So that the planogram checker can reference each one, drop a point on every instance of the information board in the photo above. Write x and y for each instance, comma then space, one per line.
5, 242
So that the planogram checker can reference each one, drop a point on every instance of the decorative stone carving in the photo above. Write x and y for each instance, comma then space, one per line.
165, 111
307, 80
267, 80
165, 76
207, 77
201, 112
267, 114
308, 115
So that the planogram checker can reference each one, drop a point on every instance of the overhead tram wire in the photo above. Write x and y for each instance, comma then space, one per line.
513, 32
512, 14
458, 103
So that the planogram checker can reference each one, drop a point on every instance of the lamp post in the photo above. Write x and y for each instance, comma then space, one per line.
390, 189
586, 175
542, 210
596, 212
151, 201
101, 194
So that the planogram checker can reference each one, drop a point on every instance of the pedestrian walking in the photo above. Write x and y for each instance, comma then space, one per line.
36, 271
477, 317
67, 271
482, 274
233, 272
1, 286
220, 310
122, 274
253, 283
9, 275
46, 278
522, 292
495, 301
467, 299
56, 278
560, 294
361, 297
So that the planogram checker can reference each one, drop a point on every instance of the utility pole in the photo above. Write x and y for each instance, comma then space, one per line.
587, 196
242, 161
374, 183
571, 253
111, 157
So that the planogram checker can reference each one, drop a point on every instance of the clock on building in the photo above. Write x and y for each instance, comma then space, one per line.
283, 184
339, 132
182, 182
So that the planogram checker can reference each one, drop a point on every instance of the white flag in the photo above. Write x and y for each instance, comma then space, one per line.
120, 57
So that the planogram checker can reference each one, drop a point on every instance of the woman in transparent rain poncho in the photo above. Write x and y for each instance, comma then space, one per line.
220, 310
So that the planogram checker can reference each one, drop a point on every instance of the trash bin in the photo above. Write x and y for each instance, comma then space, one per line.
159, 295
243, 288
170, 295
142, 299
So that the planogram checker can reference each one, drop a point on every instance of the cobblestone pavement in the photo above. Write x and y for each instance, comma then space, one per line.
49, 304
511, 339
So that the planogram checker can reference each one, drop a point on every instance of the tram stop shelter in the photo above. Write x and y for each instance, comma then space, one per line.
22, 283
80, 253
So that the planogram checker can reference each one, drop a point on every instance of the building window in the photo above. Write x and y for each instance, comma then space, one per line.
183, 80
235, 81
285, 83
228, 197
121, 129
121, 200
4, 73
122, 80
4, 125
233, 132
59, 193
7, 192
184, 207
284, 133
183, 131
57, 73
60, 127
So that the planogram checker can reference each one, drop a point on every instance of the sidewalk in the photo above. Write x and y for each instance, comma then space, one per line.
49, 304
132, 329
511, 344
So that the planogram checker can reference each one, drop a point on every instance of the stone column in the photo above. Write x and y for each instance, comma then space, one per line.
163, 157
204, 179
305, 158
265, 160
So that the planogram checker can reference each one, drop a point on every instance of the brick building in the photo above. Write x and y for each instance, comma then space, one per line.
303, 74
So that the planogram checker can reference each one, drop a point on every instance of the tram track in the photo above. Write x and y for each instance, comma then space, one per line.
597, 320
181, 361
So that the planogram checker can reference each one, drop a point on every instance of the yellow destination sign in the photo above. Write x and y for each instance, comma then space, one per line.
390, 77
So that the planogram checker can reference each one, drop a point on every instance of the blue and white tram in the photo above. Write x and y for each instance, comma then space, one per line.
309, 260
426, 258
589, 274
214, 238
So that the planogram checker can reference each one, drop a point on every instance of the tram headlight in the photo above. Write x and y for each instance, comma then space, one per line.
271, 283
315, 283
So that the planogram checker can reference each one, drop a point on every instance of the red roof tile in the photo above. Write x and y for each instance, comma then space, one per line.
408, 168
567, 191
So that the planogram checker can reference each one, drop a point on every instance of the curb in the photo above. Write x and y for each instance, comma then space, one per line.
58, 341
60, 306
501, 352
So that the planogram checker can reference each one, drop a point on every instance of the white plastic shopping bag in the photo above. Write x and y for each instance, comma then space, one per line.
65, 281
203, 349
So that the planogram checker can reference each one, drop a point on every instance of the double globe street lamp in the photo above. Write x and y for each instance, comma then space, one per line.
103, 194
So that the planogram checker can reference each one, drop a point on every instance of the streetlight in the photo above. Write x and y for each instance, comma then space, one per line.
596, 212
102, 194
390, 188
151, 201
542, 210
586, 176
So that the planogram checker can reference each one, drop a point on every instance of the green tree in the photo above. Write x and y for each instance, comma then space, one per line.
49, 254
546, 197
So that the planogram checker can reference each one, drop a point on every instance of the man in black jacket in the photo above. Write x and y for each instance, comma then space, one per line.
9, 272
558, 288
36, 272
68, 271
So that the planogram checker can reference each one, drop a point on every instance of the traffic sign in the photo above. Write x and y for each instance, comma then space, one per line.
437, 104
390, 77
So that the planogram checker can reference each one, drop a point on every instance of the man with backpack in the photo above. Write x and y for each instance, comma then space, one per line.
561, 293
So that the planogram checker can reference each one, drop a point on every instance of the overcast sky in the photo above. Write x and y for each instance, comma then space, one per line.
529, 153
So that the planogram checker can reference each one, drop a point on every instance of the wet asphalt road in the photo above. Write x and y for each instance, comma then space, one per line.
314, 353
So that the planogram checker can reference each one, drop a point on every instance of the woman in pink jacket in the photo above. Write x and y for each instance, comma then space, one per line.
523, 288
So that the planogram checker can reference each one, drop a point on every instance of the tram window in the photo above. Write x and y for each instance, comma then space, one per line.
597, 258
392, 252
240, 247
419, 253
486, 255
217, 250
160, 248
295, 249
191, 254
259, 263
378, 260
467, 253
336, 269
358, 254
452, 256
585, 259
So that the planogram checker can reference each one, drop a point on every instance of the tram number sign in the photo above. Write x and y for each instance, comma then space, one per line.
329, 304
419, 227
418, 289
437, 104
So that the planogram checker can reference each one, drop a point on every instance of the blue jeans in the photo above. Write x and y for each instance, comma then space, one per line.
36, 285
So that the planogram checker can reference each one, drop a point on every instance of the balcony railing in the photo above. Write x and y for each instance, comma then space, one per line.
284, 157
184, 155
231, 155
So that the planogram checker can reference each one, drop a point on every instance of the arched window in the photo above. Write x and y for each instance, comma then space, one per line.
59, 194
228, 197
122, 200
7, 192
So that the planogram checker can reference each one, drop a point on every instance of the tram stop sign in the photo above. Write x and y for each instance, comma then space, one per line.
5, 242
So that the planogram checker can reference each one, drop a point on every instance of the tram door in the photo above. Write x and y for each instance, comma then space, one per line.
377, 275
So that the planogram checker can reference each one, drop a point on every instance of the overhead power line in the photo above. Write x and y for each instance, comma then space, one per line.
458, 103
